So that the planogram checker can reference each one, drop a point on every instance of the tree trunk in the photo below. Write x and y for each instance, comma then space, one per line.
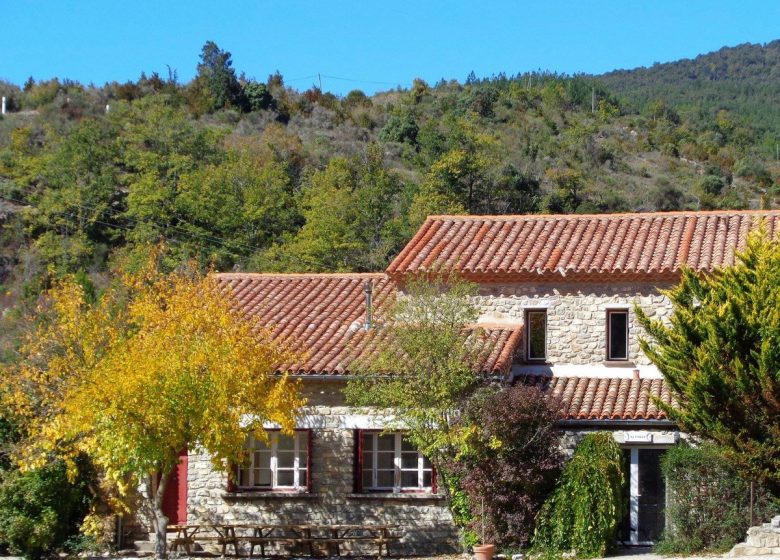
157, 483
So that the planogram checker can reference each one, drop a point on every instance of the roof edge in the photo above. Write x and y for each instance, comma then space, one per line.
292, 275
510, 217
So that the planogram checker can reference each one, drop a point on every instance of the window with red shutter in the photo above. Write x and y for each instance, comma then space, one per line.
390, 463
283, 462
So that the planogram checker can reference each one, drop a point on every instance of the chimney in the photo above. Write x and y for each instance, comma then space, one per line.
368, 288
636, 375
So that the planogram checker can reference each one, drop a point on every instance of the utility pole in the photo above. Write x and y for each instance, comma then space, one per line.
320, 80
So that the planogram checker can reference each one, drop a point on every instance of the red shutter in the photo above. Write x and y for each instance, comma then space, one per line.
309, 437
358, 461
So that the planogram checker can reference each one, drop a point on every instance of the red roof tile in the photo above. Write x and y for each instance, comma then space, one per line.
605, 398
323, 314
603, 246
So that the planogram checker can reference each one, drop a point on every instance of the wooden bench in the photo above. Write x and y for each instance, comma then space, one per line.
308, 536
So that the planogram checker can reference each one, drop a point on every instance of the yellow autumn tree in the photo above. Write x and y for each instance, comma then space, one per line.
158, 363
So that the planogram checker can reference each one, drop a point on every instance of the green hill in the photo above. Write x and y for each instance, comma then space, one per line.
255, 175
743, 80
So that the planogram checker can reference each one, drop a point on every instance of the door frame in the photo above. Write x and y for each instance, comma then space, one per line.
633, 486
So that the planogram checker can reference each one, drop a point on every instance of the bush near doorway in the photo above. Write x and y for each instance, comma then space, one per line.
582, 514
709, 503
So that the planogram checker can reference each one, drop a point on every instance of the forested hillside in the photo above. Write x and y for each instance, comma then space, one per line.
744, 80
254, 175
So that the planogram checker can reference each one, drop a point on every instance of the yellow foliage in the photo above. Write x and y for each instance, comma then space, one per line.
160, 362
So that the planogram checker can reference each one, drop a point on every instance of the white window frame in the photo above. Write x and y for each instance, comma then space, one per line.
300, 462
397, 466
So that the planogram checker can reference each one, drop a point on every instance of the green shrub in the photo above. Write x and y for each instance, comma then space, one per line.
709, 503
41, 509
583, 512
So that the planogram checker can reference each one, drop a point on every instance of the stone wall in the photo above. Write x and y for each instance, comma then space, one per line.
425, 519
576, 315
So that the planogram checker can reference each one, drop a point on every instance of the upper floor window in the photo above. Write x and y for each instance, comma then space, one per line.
390, 463
617, 334
280, 463
536, 335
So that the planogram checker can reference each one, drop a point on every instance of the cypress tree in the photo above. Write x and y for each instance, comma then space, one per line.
720, 355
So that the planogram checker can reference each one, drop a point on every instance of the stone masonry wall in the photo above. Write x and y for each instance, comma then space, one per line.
576, 315
425, 519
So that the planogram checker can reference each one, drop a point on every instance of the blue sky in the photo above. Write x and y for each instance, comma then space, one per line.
370, 45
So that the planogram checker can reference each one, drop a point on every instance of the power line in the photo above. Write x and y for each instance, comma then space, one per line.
358, 81
116, 213
187, 234
191, 235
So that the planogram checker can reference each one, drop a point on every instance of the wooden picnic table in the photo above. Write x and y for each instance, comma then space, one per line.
307, 535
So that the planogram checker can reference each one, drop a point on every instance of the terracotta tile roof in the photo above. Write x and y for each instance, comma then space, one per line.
604, 246
605, 398
322, 314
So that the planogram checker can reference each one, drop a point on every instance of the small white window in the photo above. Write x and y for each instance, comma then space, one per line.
390, 463
281, 462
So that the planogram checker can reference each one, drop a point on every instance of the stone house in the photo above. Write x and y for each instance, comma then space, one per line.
556, 295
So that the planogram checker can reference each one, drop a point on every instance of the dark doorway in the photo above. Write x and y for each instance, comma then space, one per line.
652, 495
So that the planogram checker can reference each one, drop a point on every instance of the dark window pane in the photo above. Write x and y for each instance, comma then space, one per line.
409, 460
427, 479
409, 479
285, 459
368, 479
537, 335
368, 460
386, 442
385, 460
385, 479
618, 329
262, 459
263, 477
368, 442
286, 443
302, 477
407, 445
285, 478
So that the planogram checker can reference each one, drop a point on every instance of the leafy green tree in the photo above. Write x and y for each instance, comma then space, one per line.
41, 509
464, 172
720, 355
709, 503
216, 71
436, 376
233, 208
258, 96
400, 128
353, 219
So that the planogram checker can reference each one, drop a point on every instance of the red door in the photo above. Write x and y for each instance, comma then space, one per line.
175, 497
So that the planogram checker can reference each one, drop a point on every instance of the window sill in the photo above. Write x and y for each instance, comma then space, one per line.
619, 363
401, 496
269, 495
